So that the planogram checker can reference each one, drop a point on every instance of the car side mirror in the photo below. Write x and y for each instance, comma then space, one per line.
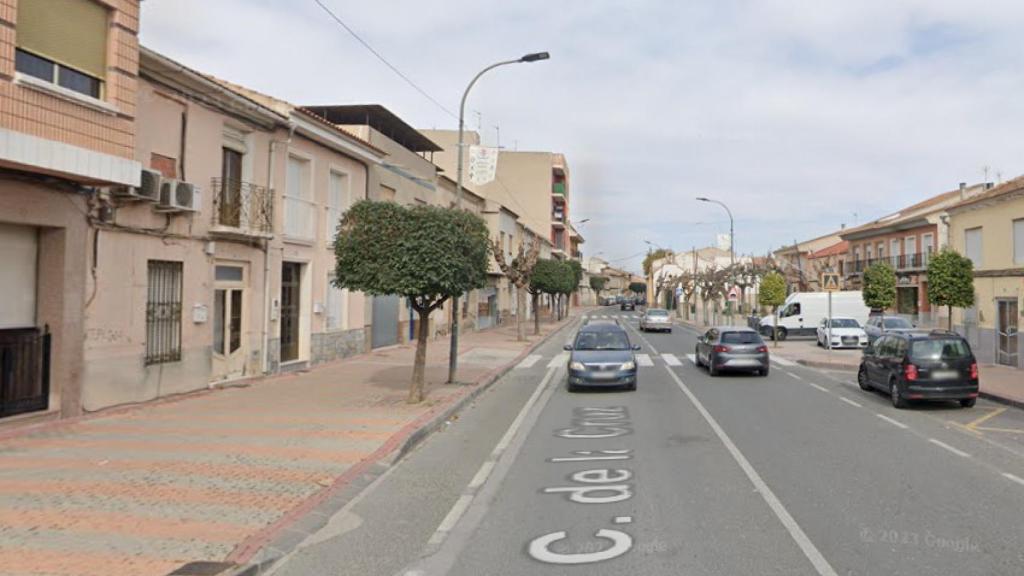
567, 347
636, 346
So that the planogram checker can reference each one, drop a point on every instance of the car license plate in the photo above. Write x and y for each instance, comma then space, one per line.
945, 375
603, 375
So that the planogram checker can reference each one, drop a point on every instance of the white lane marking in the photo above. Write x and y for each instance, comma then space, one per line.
692, 358
850, 402
956, 451
799, 536
818, 386
795, 375
1016, 479
559, 360
671, 360
644, 360
484, 472
896, 423
783, 361
529, 361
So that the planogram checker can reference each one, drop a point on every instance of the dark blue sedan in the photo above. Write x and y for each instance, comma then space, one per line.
602, 356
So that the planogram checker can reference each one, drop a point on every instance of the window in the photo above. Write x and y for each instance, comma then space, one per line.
940, 349
337, 202
740, 338
163, 312
870, 253
909, 245
972, 245
298, 200
894, 252
881, 250
927, 244
337, 304
63, 42
1018, 241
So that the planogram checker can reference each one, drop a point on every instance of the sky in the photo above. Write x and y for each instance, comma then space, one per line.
801, 116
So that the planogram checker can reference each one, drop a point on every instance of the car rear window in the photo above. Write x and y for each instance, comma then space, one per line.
897, 323
610, 340
657, 312
844, 323
940, 349
740, 338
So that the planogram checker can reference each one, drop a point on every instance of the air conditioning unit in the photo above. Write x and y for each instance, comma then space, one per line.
178, 196
148, 188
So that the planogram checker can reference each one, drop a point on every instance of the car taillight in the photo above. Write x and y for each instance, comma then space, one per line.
910, 372
974, 370
762, 349
721, 348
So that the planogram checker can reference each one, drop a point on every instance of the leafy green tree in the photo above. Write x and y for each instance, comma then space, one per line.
576, 272
773, 294
879, 290
597, 283
951, 281
547, 278
637, 288
652, 256
427, 254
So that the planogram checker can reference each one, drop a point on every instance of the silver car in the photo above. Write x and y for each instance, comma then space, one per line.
656, 319
732, 348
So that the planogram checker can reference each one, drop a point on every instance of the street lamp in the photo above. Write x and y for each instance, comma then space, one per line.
732, 231
453, 352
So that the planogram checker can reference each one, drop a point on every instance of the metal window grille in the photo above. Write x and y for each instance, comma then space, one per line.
163, 312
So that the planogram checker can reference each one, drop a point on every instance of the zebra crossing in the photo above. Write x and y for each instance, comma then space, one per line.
612, 316
562, 358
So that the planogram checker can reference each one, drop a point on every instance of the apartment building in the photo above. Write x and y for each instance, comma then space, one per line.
795, 260
68, 81
905, 239
989, 229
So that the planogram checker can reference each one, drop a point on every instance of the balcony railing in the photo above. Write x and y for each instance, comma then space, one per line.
243, 207
900, 263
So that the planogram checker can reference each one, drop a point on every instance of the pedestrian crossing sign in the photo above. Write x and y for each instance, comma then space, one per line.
830, 282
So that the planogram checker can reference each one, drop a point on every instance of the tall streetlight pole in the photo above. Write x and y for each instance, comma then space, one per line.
453, 353
732, 230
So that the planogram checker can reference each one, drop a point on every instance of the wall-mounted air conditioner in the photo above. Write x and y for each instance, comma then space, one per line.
148, 188
178, 196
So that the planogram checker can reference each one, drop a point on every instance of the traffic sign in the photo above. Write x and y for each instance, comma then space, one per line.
830, 282
734, 294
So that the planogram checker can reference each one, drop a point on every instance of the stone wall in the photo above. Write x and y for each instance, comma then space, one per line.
329, 346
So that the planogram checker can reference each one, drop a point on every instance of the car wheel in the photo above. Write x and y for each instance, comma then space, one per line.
696, 358
894, 394
631, 387
763, 372
862, 379
968, 402
572, 388
669, 330
712, 371
817, 341
782, 334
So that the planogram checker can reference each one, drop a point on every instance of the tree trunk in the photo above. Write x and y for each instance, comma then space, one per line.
536, 314
420, 364
775, 326
950, 319
520, 314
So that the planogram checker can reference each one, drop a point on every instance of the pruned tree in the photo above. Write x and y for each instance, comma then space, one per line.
651, 257
773, 294
597, 283
546, 279
518, 271
879, 291
427, 254
951, 281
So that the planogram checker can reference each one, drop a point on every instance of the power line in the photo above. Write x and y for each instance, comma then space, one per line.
384, 60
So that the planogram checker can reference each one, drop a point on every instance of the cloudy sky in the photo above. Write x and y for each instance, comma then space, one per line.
800, 115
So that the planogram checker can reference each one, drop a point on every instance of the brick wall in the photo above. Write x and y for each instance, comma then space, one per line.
47, 116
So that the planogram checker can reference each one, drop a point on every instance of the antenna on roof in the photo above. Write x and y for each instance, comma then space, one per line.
985, 169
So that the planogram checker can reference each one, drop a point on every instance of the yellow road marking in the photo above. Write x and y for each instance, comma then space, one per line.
964, 428
989, 416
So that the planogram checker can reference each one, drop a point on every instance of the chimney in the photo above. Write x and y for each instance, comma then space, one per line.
842, 226
963, 190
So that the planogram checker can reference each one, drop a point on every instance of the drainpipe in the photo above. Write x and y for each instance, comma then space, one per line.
265, 337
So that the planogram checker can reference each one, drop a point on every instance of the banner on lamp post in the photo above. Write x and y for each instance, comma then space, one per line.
483, 164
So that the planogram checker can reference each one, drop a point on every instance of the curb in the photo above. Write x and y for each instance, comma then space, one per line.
1002, 400
386, 455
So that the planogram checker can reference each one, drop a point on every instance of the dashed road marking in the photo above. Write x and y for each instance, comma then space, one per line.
644, 360
896, 423
794, 375
1016, 479
850, 402
671, 360
529, 361
956, 451
818, 386
559, 360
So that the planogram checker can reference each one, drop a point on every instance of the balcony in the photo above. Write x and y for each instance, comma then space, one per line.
917, 261
242, 209
558, 189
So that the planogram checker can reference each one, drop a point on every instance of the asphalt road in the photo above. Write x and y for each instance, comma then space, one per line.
797, 473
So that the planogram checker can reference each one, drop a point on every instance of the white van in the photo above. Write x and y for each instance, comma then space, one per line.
803, 311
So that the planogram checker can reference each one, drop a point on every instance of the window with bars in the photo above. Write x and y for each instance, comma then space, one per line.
163, 312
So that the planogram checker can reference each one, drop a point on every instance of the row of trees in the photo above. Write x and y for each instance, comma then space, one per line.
950, 283
429, 255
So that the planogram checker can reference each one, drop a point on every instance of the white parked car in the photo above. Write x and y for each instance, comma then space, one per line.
846, 333
656, 319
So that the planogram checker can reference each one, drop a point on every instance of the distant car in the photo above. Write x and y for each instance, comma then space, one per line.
628, 304
874, 328
920, 365
846, 333
656, 319
601, 355
619, 299
732, 348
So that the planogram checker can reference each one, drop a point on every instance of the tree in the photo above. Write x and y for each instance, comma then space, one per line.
576, 271
427, 254
879, 290
951, 281
518, 271
652, 256
637, 288
773, 294
546, 279
597, 283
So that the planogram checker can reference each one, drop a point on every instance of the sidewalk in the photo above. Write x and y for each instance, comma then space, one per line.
214, 476
999, 383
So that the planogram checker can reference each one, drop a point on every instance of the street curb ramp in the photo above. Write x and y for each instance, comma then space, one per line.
367, 469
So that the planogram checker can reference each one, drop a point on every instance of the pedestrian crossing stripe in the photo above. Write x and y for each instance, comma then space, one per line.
783, 361
671, 360
559, 360
692, 358
529, 361
644, 360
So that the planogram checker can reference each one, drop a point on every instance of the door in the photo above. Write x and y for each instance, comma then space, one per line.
291, 275
385, 321
230, 201
875, 362
1007, 347
230, 345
